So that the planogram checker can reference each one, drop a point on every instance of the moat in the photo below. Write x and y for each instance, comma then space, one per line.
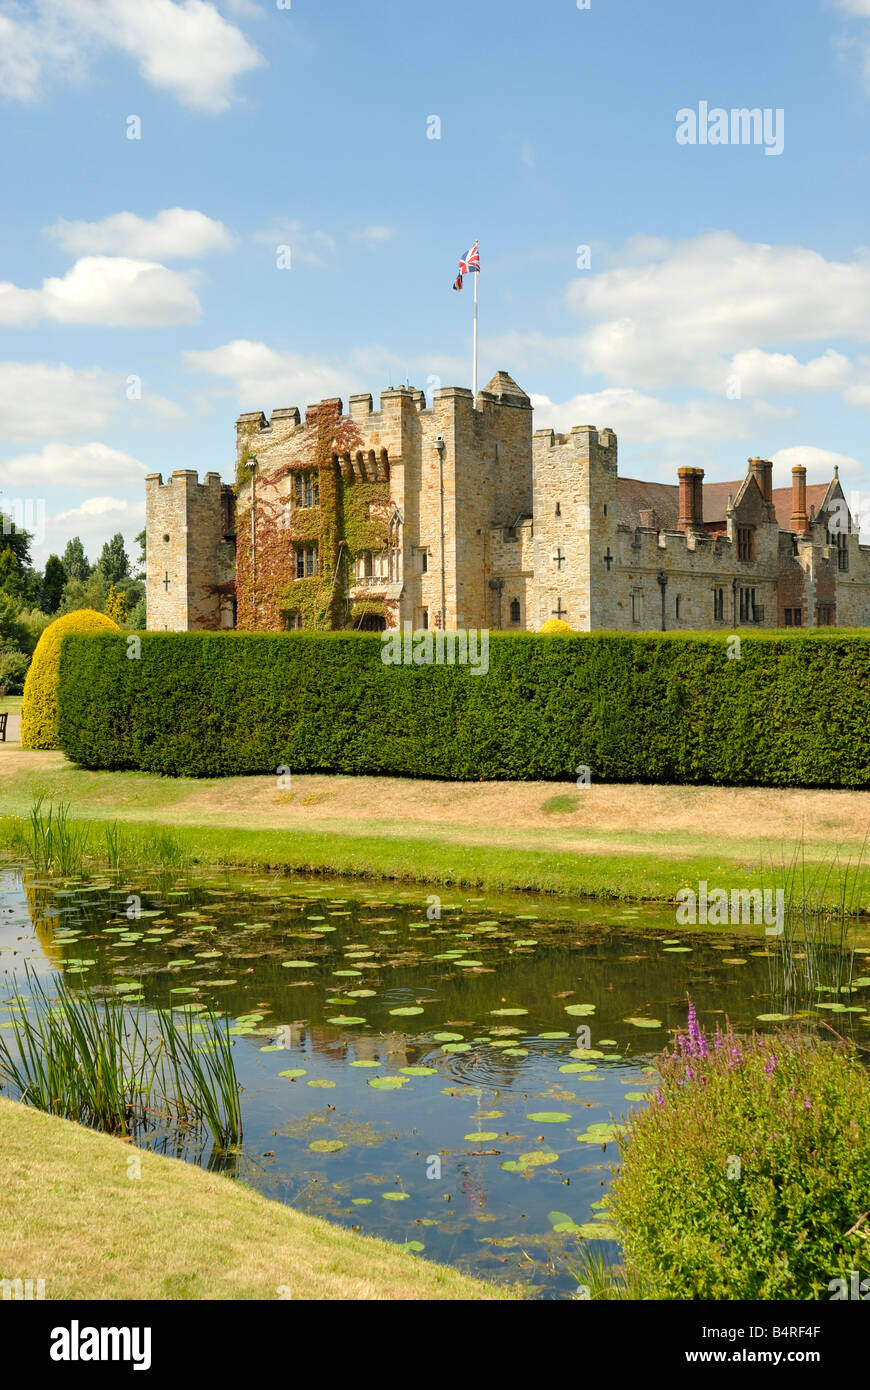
453, 1083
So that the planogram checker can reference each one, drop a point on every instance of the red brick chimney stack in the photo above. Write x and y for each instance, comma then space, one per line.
691, 515
763, 470
799, 519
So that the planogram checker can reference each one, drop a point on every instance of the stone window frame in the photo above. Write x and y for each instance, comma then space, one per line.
307, 561
306, 489
516, 611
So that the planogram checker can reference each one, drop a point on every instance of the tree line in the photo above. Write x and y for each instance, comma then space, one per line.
30, 597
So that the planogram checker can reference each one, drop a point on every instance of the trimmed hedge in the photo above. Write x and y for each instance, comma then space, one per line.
39, 705
794, 710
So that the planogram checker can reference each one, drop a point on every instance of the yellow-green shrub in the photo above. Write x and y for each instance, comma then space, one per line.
39, 706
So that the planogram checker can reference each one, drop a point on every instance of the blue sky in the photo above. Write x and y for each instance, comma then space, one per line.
725, 310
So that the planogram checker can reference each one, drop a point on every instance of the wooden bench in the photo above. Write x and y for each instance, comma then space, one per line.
3, 721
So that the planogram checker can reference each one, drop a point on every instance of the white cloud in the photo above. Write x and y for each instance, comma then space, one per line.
638, 418
108, 290
856, 7
527, 154
174, 233
74, 465
185, 47
261, 375
40, 400
372, 237
306, 247
771, 373
94, 521
679, 318
819, 463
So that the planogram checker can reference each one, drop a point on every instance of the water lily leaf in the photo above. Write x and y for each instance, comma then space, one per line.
598, 1230
579, 1010
636, 1095
645, 1022
326, 1146
562, 1223
538, 1159
419, 1071
554, 1035
323, 1085
508, 1013
548, 1117
456, 1047
299, 964
364, 1064
774, 1018
345, 1020
361, 1201
447, 1037
412, 1247
406, 1012
293, 1072
482, 1136
395, 1196
387, 1083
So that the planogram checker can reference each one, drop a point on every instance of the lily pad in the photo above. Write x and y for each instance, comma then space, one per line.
326, 1146
419, 1071
293, 1072
645, 1022
548, 1117
482, 1136
395, 1196
579, 1010
508, 1013
345, 1020
406, 1012
388, 1083
538, 1159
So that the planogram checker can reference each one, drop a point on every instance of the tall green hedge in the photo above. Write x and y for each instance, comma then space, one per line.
794, 710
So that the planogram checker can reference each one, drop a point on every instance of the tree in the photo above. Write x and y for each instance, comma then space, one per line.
84, 593
141, 562
114, 562
75, 561
11, 574
116, 606
17, 540
53, 582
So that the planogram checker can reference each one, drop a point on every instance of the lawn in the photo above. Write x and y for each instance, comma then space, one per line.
624, 841
74, 1216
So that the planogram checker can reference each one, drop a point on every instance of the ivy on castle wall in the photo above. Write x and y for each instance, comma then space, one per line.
352, 518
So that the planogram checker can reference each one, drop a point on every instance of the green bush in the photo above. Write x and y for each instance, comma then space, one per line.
39, 713
747, 1172
794, 710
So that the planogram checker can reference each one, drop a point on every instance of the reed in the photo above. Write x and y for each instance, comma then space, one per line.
113, 1067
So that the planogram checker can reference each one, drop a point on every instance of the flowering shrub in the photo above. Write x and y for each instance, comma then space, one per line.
748, 1175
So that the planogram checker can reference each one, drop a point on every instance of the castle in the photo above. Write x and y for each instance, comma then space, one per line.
460, 515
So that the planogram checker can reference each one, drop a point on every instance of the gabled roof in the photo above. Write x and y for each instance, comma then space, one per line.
635, 496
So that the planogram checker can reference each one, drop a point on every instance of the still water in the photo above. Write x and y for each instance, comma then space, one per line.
451, 1082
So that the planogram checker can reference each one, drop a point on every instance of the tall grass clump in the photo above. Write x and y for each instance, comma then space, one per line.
110, 1065
748, 1174
54, 842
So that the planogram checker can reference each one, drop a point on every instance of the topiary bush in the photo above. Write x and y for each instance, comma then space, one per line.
747, 1174
655, 707
39, 706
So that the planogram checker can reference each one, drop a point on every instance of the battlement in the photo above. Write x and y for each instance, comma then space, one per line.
211, 481
580, 435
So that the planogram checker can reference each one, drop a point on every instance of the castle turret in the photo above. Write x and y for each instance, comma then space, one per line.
189, 531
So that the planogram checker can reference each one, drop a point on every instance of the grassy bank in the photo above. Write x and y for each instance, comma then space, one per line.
74, 1217
629, 842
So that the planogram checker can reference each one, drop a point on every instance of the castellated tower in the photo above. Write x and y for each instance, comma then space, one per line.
399, 528
190, 550
575, 521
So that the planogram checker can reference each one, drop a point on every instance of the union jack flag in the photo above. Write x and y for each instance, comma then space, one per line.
467, 265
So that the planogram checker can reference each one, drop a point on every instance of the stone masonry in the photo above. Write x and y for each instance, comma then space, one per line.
457, 515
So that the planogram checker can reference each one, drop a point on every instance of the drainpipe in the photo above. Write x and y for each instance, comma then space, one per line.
252, 464
663, 585
734, 587
439, 446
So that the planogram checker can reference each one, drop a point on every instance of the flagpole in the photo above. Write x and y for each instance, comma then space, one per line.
474, 369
